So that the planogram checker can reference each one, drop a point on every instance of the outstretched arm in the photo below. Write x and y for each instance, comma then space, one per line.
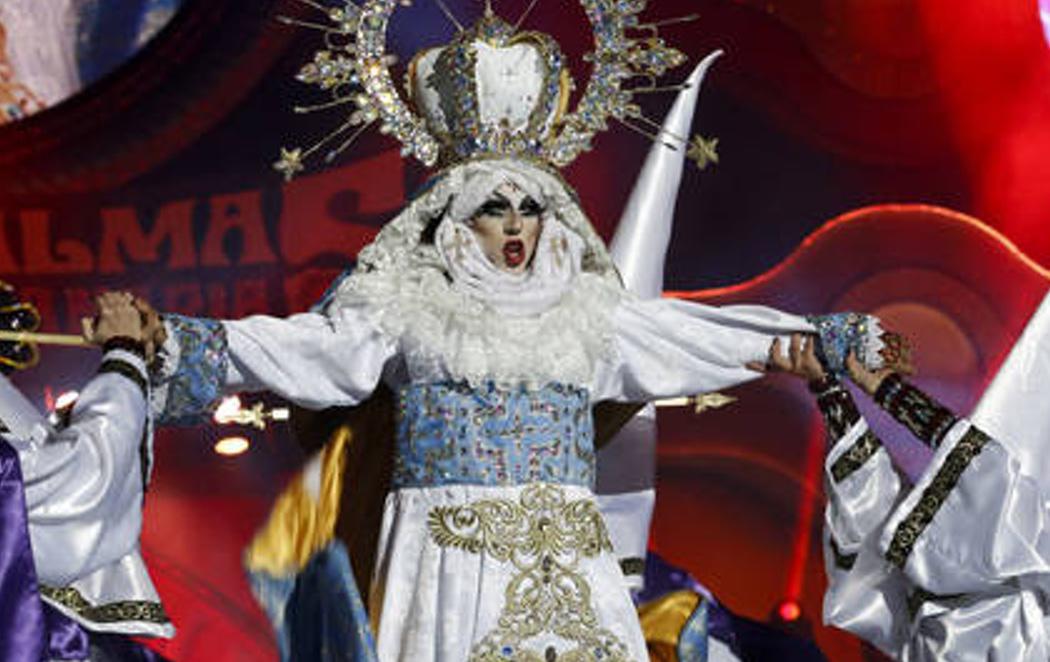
670, 347
312, 359
666, 347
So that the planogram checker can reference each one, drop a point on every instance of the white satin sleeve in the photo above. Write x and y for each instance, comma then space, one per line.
974, 521
669, 347
311, 359
865, 595
84, 483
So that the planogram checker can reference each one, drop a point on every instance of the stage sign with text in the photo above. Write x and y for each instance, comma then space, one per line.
220, 254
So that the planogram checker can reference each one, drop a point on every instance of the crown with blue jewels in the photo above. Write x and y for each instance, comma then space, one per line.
492, 91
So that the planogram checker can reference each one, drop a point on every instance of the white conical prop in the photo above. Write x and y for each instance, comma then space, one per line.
639, 247
1013, 408
627, 464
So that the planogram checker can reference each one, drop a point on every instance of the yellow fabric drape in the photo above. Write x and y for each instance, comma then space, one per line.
299, 526
662, 623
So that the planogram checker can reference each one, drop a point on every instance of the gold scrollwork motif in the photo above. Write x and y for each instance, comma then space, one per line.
934, 496
544, 535
855, 458
111, 612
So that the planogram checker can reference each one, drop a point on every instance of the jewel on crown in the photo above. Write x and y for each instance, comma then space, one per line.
492, 91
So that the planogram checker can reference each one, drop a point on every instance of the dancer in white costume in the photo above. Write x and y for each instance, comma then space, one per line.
493, 312
72, 497
955, 566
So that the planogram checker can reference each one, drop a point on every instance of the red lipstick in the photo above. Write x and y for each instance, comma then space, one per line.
513, 252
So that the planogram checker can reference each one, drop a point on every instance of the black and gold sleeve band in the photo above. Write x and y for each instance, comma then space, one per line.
926, 418
136, 347
836, 405
126, 369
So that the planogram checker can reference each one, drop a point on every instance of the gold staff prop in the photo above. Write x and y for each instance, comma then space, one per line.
700, 403
20, 335
39, 338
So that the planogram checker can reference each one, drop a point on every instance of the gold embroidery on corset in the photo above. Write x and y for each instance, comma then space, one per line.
544, 536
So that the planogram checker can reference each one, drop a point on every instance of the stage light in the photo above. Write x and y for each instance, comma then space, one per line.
789, 611
66, 399
227, 410
1044, 14
232, 446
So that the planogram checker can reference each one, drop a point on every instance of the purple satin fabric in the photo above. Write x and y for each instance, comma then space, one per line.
65, 639
29, 632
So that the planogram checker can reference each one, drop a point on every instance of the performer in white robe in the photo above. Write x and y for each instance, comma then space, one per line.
492, 311
955, 566
72, 494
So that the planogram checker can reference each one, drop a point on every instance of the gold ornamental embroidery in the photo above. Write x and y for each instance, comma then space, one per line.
858, 454
544, 536
110, 612
933, 497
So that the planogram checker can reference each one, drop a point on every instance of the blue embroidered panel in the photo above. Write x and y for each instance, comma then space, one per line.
841, 333
451, 433
196, 386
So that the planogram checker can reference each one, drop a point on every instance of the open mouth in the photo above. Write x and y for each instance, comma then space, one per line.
514, 253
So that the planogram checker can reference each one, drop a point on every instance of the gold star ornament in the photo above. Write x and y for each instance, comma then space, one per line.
703, 151
290, 163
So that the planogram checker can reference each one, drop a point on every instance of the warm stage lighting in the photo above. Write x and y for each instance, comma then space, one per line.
231, 446
66, 400
789, 611
1044, 14
227, 411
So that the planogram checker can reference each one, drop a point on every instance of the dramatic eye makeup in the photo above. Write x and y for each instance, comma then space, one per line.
494, 206
530, 207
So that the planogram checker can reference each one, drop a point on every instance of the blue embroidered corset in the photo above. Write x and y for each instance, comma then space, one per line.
453, 434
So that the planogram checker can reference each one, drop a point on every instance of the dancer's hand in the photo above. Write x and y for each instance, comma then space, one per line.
867, 380
801, 359
896, 353
153, 331
117, 316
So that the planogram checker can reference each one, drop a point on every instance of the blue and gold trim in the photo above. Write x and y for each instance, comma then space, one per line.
453, 434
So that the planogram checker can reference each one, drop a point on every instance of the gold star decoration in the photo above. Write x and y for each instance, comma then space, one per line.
704, 151
290, 163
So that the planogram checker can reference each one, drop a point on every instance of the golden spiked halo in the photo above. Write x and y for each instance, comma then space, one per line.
354, 69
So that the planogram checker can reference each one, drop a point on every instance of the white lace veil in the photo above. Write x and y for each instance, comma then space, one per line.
464, 313
453, 197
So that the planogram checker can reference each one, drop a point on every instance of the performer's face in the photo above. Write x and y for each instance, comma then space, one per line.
507, 226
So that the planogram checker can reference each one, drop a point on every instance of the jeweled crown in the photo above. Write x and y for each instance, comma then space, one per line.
494, 90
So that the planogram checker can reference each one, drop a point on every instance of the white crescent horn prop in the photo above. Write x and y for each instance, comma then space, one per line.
626, 467
639, 247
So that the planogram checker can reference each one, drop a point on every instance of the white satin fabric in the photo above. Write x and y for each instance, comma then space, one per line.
83, 489
984, 558
660, 349
435, 602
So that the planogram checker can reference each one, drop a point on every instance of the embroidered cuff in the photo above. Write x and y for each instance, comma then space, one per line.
127, 344
842, 333
836, 405
193, 369
855, 457
926, 418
